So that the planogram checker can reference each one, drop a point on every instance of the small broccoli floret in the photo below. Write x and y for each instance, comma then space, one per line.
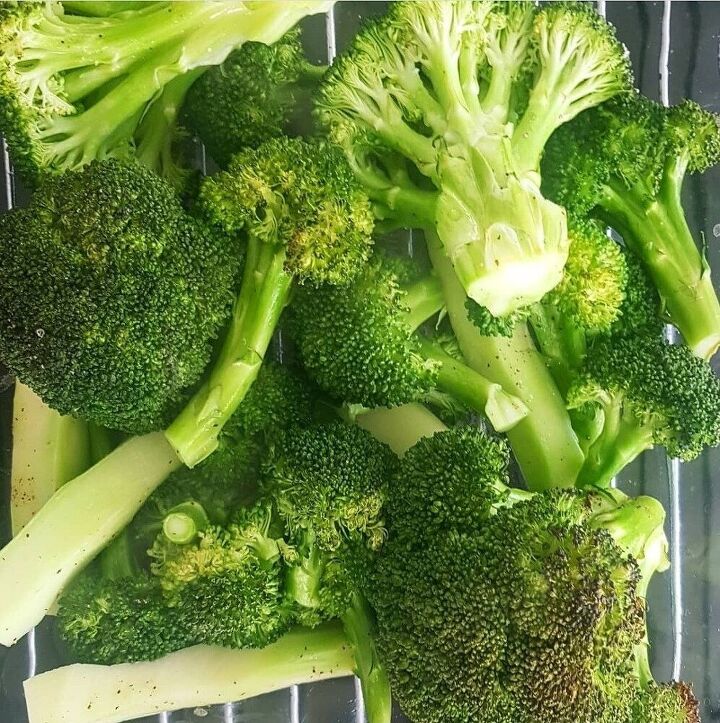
625, 161
648, 392
359, 343
74, 90
304, 220
444, 110
509, 606
252, 97
112, 296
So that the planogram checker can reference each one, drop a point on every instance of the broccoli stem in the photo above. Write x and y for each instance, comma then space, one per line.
48, 450
544, 442
117, 560
264, 294
103, 8
658, 233
184, 521
193, 677
74, 524
619, 443
474, 390
400, 427
359, 627
422, 299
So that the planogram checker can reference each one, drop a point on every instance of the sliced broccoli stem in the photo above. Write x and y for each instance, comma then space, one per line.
184, 521
263, 295
658, 233
400, 427
474, 390
193, 677
544, 442
48, 450
73, 526
622, 440
359, 628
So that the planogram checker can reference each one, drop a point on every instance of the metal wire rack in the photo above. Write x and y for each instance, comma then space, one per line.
674, 46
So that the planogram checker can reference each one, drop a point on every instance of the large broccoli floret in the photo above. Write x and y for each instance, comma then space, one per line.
112, 295
647, 392
499, 605
252, 97
74, 89
303, 219
626, 161
444, 110
359, 343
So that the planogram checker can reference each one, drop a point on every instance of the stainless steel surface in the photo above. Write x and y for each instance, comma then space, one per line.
674, 46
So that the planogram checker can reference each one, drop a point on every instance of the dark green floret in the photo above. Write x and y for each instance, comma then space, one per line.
255, 95
503, 606
113, 295
625, 162
303, 219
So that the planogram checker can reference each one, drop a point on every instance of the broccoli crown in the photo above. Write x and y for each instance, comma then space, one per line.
658, 388
250, 97
299, 194
528, 612
113, 296
674, 703
641, 307
106, 622
356, 341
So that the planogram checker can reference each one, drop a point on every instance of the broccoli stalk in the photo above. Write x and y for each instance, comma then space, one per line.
197, 676
48, 450
544, 442
444, 110
305, 221
625, 162
74, 89
103, 8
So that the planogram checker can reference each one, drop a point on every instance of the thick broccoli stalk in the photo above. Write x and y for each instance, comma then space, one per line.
444, 110
103, 8
197, 676
255, 95
625, 162
646, 392
48, 450
544, 442
112, 295
74, 89
329, 486
359, 344
472, 591
304, 220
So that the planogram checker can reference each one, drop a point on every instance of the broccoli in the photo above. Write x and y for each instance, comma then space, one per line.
303, 220
625, 162
252, 97
646, 392
444, 110
500, 605
112, 295
359, 343
74, 89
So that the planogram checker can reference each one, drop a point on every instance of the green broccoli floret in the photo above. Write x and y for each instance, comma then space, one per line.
75, 89
359, 343
625, 161
444, 110
329, 485
252, 97
112, 295
505, 606
304, 220
647, 392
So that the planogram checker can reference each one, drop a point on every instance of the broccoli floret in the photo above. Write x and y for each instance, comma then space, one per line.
625, 161
647, 392
444, 110
304, 220
252, 97
112, 295
74, 89
499, 605
359, 343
